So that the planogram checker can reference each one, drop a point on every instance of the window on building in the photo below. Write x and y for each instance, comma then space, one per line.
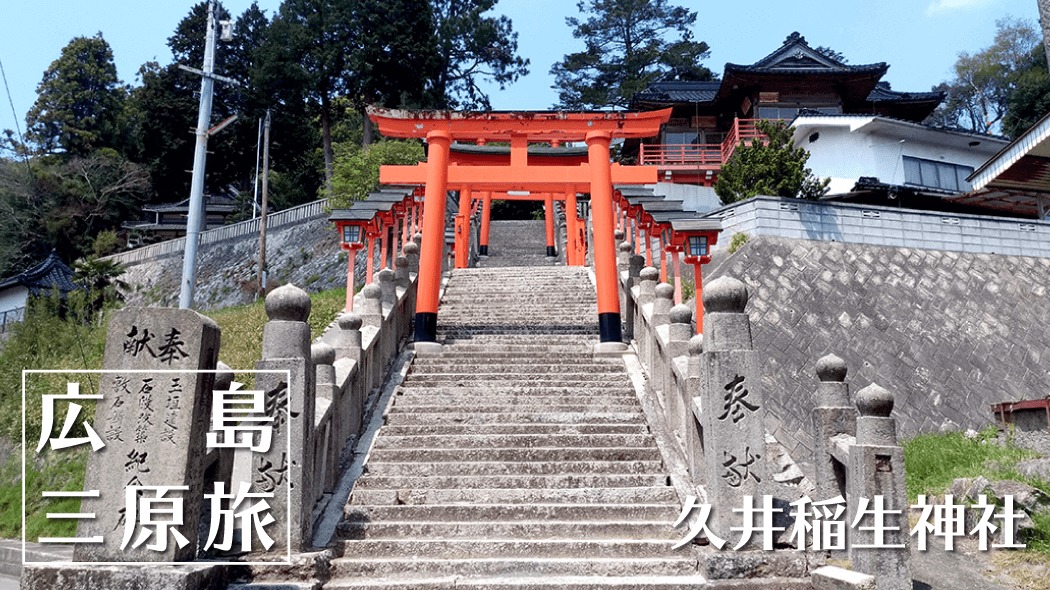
789, 112
934, 174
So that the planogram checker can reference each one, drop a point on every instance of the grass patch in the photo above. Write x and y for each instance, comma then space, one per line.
55, 338
933, 461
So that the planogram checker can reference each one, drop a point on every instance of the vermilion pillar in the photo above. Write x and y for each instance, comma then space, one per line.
486, 216
647, 231
604, 242
351, 267
548, 215
384, 242
572, 246
370, 264
438, 142
463, 229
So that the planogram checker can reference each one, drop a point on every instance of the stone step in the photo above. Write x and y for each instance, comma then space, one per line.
487, 548
513, 429
518, 582
509, 454
512, 468
524, 396
474, 441
523, 566
566, 406
516, 417
364, 514
566, 379
625, 480
551, 366
563, 359
511, 530
482, 496
586, 389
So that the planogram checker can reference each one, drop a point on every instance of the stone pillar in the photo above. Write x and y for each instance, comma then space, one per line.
732, 400
372, 306
401, 272
662, 303
635, 264
290, 478
623, 257
347, 338
833, 415
648, 278
323, 357
412, 254
692, 432
152, 426
876, 468
388, 289
680, 328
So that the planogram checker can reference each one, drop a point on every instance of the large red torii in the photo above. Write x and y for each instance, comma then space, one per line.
440, 128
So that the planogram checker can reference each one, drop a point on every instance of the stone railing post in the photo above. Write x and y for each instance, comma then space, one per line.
648, 277
401, 272
876, 474
372, 306
286, 346
635, 264
388, 289
692, 434
328, 448
833, 415
623, 256
680, 328
663, 301
412, 254
732, 400
347, 338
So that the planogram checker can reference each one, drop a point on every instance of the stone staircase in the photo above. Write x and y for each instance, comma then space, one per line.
514, 459
517, 243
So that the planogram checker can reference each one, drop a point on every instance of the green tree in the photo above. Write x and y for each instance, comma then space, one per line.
472, 47
1030, 98
629, 44
774, 167
357, 169
79, 101
308, 44
979, 95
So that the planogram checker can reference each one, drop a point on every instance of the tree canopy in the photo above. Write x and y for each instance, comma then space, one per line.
628, 45
978, 97
79, 101
774, 167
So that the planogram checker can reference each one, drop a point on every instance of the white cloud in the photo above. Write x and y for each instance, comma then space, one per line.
938, 7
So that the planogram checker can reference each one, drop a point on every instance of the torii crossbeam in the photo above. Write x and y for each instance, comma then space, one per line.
520, 129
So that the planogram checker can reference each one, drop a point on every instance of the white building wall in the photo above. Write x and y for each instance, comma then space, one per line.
11, 300
877, 150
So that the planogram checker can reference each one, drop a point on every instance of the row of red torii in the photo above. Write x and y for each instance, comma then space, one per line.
549, 174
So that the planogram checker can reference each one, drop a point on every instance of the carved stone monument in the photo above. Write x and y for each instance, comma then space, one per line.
153, 422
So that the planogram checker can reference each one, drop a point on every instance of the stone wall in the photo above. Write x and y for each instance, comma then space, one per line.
306, 253
883, 226
949, 333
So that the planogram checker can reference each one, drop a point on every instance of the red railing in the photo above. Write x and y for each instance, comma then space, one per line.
692, 155
712, 155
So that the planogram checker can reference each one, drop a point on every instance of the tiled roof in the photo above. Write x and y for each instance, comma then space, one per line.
883, 93
52, 273
678, 91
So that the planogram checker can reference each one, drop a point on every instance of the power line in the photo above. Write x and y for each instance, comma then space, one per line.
14, 115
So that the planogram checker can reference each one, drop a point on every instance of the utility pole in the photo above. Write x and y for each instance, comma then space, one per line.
194, 221
1044, 24
265, 192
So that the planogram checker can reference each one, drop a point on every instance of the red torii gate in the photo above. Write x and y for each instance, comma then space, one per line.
597, 129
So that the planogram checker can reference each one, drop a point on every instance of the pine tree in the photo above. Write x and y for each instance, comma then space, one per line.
629, 45
79, 101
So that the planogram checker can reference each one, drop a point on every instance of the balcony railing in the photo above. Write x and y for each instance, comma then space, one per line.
701, 156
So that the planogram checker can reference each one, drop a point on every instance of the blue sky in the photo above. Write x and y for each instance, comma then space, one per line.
920, 39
